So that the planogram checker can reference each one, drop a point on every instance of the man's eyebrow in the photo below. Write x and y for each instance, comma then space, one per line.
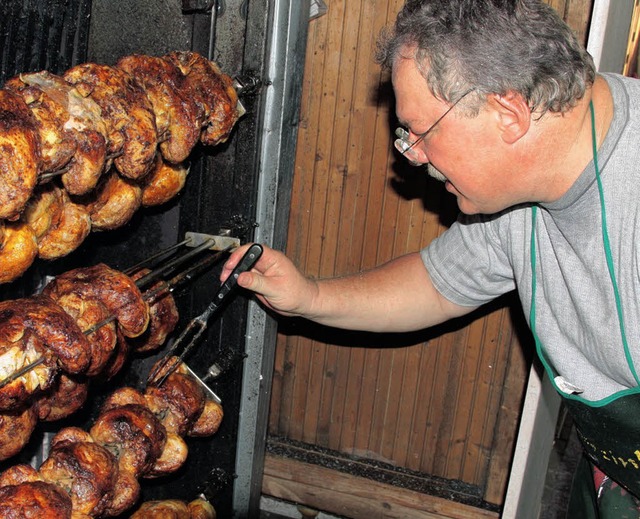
411, 125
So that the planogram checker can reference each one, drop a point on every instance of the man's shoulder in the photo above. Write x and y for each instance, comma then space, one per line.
620, 86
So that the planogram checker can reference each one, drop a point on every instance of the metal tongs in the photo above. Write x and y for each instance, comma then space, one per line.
198, 325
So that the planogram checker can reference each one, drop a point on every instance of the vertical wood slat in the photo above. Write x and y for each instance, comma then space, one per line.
445, 403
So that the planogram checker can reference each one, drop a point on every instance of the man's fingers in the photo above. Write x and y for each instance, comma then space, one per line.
233, 260
246, 280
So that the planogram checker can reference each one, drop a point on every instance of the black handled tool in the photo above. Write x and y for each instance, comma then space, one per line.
198, 324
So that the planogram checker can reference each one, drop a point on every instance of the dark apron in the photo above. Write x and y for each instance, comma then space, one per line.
607, 483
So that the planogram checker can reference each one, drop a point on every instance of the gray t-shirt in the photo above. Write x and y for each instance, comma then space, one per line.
482, 257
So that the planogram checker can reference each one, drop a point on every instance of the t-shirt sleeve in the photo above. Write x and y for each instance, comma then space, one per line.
468, 263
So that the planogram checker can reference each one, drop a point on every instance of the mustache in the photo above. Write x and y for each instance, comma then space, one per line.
435, 173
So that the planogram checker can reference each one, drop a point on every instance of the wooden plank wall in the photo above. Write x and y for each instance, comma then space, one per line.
444, 402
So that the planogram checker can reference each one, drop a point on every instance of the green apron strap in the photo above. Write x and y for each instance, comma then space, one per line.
610, 266
609, 429
607, 249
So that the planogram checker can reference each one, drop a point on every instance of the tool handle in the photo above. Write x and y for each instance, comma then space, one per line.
246, 263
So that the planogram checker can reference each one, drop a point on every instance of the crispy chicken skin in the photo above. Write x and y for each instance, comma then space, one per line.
179, 401
17, 474
133, 434
117, 291
175, 509
36, 499
113, 203
201, 509
117, 359
87, 312
54, 327
213, 92
16, 428
19, 154
163, 315
209, 421
172, 457
164, 509
127, 113
70, 435
65, 397
42, 208
57, 144
206, 423
175, 111
123, 396
125, 494
18, 250
164, 182
86, 471
70, 225
83, 120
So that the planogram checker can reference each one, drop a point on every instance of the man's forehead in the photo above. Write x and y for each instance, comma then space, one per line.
407, 77
408, 82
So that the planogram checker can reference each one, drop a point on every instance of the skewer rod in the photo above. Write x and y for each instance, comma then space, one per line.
148, 295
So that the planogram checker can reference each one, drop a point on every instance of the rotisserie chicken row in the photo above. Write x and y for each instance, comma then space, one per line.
69, 328
99, 470
118, 137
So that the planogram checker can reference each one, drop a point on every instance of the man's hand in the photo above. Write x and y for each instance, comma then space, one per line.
277, 283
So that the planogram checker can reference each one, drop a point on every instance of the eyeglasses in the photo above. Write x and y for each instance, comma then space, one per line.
402, 143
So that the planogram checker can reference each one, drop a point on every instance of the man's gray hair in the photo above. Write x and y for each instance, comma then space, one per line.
493, 47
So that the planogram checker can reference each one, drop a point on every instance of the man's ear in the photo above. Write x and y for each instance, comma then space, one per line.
513, 115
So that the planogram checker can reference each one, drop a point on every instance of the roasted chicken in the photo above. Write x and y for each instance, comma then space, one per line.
20, 157
63, 398
83, 121
16, 428
214, 94
175, 509
18, 249
113, 203
127, 112
164, 182
57, 144
68, 223
115, 290
20, 347
34, 499
56, 330
82, 327
87, 313
163, 315
174, 108
86, 471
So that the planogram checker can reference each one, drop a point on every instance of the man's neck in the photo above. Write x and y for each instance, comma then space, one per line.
568, 139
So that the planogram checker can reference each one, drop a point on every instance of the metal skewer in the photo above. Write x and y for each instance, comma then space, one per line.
156, 255
148, 295
170, 285
204, 386
198, 325
199, 242
22, 371
48, 175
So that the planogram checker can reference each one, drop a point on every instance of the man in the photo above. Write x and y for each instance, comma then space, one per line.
500, 102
